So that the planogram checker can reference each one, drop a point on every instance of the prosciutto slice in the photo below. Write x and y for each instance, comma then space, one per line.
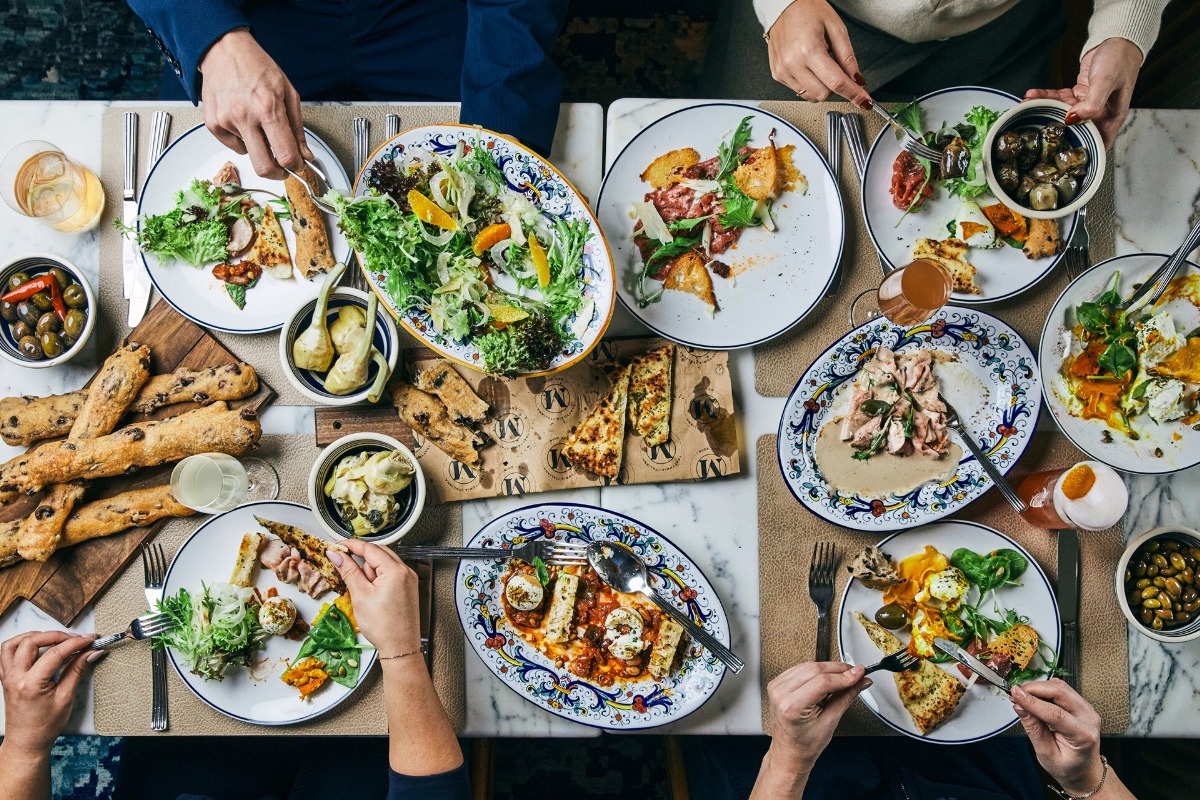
290, 567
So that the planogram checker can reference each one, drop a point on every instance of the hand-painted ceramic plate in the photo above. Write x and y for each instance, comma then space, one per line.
635, 705
997, 391
547, 188
1159, 449
208, 556
779, 277
1003, 272
983, 711
193, 291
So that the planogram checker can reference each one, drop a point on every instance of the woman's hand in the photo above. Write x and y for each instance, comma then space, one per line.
1065, 732
36, 706
1107, 74
251, 106
384, 594
811, 54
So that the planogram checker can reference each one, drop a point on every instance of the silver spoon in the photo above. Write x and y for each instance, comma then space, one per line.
622, 569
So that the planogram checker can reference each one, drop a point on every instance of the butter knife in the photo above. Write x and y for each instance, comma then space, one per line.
129, 211
1068, 603
424, 570
139, 294
972, 663
833, 129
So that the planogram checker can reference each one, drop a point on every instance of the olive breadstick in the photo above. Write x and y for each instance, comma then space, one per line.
116, 384
25, 420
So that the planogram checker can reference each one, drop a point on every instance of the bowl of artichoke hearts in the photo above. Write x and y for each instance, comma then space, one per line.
367, 486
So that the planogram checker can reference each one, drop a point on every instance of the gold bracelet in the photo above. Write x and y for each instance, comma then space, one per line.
420, 650
1068, 796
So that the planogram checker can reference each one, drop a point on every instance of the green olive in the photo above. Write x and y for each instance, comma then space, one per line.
8, 311
16, 280
21, 329
891, 616
74, 296
52, 345
30, 347
42, 301
47, 322
28, 313
74, 322
61, 277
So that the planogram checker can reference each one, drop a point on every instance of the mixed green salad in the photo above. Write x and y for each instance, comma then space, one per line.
481, 259
214, 629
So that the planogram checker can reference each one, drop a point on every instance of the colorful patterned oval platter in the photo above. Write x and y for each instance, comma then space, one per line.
528, 173
997, 392
625, 705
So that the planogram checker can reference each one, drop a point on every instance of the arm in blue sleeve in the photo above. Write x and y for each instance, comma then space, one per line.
185, 29
452, 785
510, 84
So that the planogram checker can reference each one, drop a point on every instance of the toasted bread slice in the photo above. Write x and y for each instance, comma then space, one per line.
312, 549
598, 444
1045, 238
270, 249
950, 253
444, 383
247, 559
668, 168
650, 395
688, 274
758, 175
1019, 643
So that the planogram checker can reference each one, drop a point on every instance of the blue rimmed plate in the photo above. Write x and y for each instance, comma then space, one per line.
633, 705
993, 357
548, 189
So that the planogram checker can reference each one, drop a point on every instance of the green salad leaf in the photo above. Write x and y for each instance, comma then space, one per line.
333, 640
526, 346
214, 629
194, 231
729, 154
990, 570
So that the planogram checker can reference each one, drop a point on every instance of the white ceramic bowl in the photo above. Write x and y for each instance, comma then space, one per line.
411, 500
311, 384
1185, 633
1038, 113
36, 264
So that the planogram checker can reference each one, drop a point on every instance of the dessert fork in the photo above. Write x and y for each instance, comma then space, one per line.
143, 627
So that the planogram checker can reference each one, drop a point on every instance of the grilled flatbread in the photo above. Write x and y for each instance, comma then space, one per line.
668, 168
313, 253
688, 274
311, 550
930, 694
598, 444
952, 254
758, 176
425, 414
270, 249
441, 381
650, 395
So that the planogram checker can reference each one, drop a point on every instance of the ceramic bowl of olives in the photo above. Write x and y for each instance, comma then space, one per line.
47, 308
1158, 584
1039, 166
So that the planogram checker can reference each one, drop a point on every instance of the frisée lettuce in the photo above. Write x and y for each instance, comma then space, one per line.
214, 629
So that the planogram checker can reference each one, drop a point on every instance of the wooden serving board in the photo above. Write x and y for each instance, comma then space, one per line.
72, 578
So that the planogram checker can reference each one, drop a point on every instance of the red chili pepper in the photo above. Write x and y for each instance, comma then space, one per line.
31, 287
60, 305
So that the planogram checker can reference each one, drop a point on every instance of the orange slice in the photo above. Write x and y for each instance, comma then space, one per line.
505, 315
430, 212
489, 237
540, 263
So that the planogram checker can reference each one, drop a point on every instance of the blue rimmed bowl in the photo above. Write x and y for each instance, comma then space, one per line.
1036, 114
34, 265
311, 384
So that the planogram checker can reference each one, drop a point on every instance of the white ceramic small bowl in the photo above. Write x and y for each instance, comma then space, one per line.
35, 264
411, 500
1184, 633
1036, 113
311, 384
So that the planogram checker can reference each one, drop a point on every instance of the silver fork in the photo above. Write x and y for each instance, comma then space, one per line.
141, 628
911, 143
1006, 489
154, 569
899, 661
556, 554
856, 142
1077, 257
362, 130
1153, 289
820, 590
314, 192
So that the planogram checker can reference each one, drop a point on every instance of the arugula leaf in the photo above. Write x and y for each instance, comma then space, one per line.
739, 208
687, 224
672, 249
1118, 358
543, 574
729, 153
909, 117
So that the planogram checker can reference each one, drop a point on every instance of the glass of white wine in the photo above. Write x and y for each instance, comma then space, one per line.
213, 483
38, 180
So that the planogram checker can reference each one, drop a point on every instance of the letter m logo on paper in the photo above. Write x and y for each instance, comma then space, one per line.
711, 466
556, 398
515, 485
461, 473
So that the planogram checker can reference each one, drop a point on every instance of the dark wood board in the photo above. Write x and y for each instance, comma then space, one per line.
72, 578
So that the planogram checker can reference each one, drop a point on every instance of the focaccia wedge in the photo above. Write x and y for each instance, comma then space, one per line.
598, 443
270, 250
312, 549
650, 395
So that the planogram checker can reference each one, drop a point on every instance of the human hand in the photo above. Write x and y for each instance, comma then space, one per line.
1107, 74
36, 706
1065, 732
250, 105
384, 593
807, 701
811, 54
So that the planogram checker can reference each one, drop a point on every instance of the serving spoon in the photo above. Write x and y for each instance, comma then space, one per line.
622, 569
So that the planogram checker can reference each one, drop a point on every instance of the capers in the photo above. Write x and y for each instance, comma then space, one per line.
60, 277
52, 345
74, 296
74, 322
28, 313
17, 280
891, 616
30, 347
42, 301
1161, 583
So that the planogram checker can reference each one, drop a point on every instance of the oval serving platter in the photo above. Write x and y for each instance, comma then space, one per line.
631, 705
526, 172
1002, 420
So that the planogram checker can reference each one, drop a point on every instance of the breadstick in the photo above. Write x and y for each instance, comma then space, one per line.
117, 382
25, 420
313, 253
205, 430
40, 531
227, 382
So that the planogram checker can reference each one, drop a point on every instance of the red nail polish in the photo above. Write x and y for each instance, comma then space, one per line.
1072, 118
859, 79
865, 105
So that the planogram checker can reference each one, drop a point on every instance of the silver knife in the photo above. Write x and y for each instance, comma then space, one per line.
129, 255
424, 569
833, 129
1068, 603
139, 296
393, 125
972, 663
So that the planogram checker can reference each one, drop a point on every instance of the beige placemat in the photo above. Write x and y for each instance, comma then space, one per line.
786, 533
780, 362
122, 692
332, 123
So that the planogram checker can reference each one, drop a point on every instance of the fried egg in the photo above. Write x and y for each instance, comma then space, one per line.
947, 586
276, 615
623, 629
523, 592
973, 227
926, 626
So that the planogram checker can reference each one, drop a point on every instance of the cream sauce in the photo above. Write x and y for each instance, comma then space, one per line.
882, 474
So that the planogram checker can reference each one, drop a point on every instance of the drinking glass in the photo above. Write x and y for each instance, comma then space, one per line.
907, 296
213, 483
39, 181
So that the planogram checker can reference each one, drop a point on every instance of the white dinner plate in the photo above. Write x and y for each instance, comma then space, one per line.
998, 400
983, 711
193, 291
1159, 449
782, 274
635, 705
1003, 272
208, 556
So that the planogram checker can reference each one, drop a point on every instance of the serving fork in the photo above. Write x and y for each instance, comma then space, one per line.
1006, 489
911, 143
1077, 257
314, 192
141, 628
154, 569
899, 661
820, 590
554, 554
362, 129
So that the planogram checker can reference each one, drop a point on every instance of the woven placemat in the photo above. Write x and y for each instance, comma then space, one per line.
333, 123
779, 363
788, 631
122, 690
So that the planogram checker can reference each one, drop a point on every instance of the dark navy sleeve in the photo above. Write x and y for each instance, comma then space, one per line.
185, 29
452, 785
510, 84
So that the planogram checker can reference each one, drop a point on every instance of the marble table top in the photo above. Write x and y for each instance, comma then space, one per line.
714, 522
